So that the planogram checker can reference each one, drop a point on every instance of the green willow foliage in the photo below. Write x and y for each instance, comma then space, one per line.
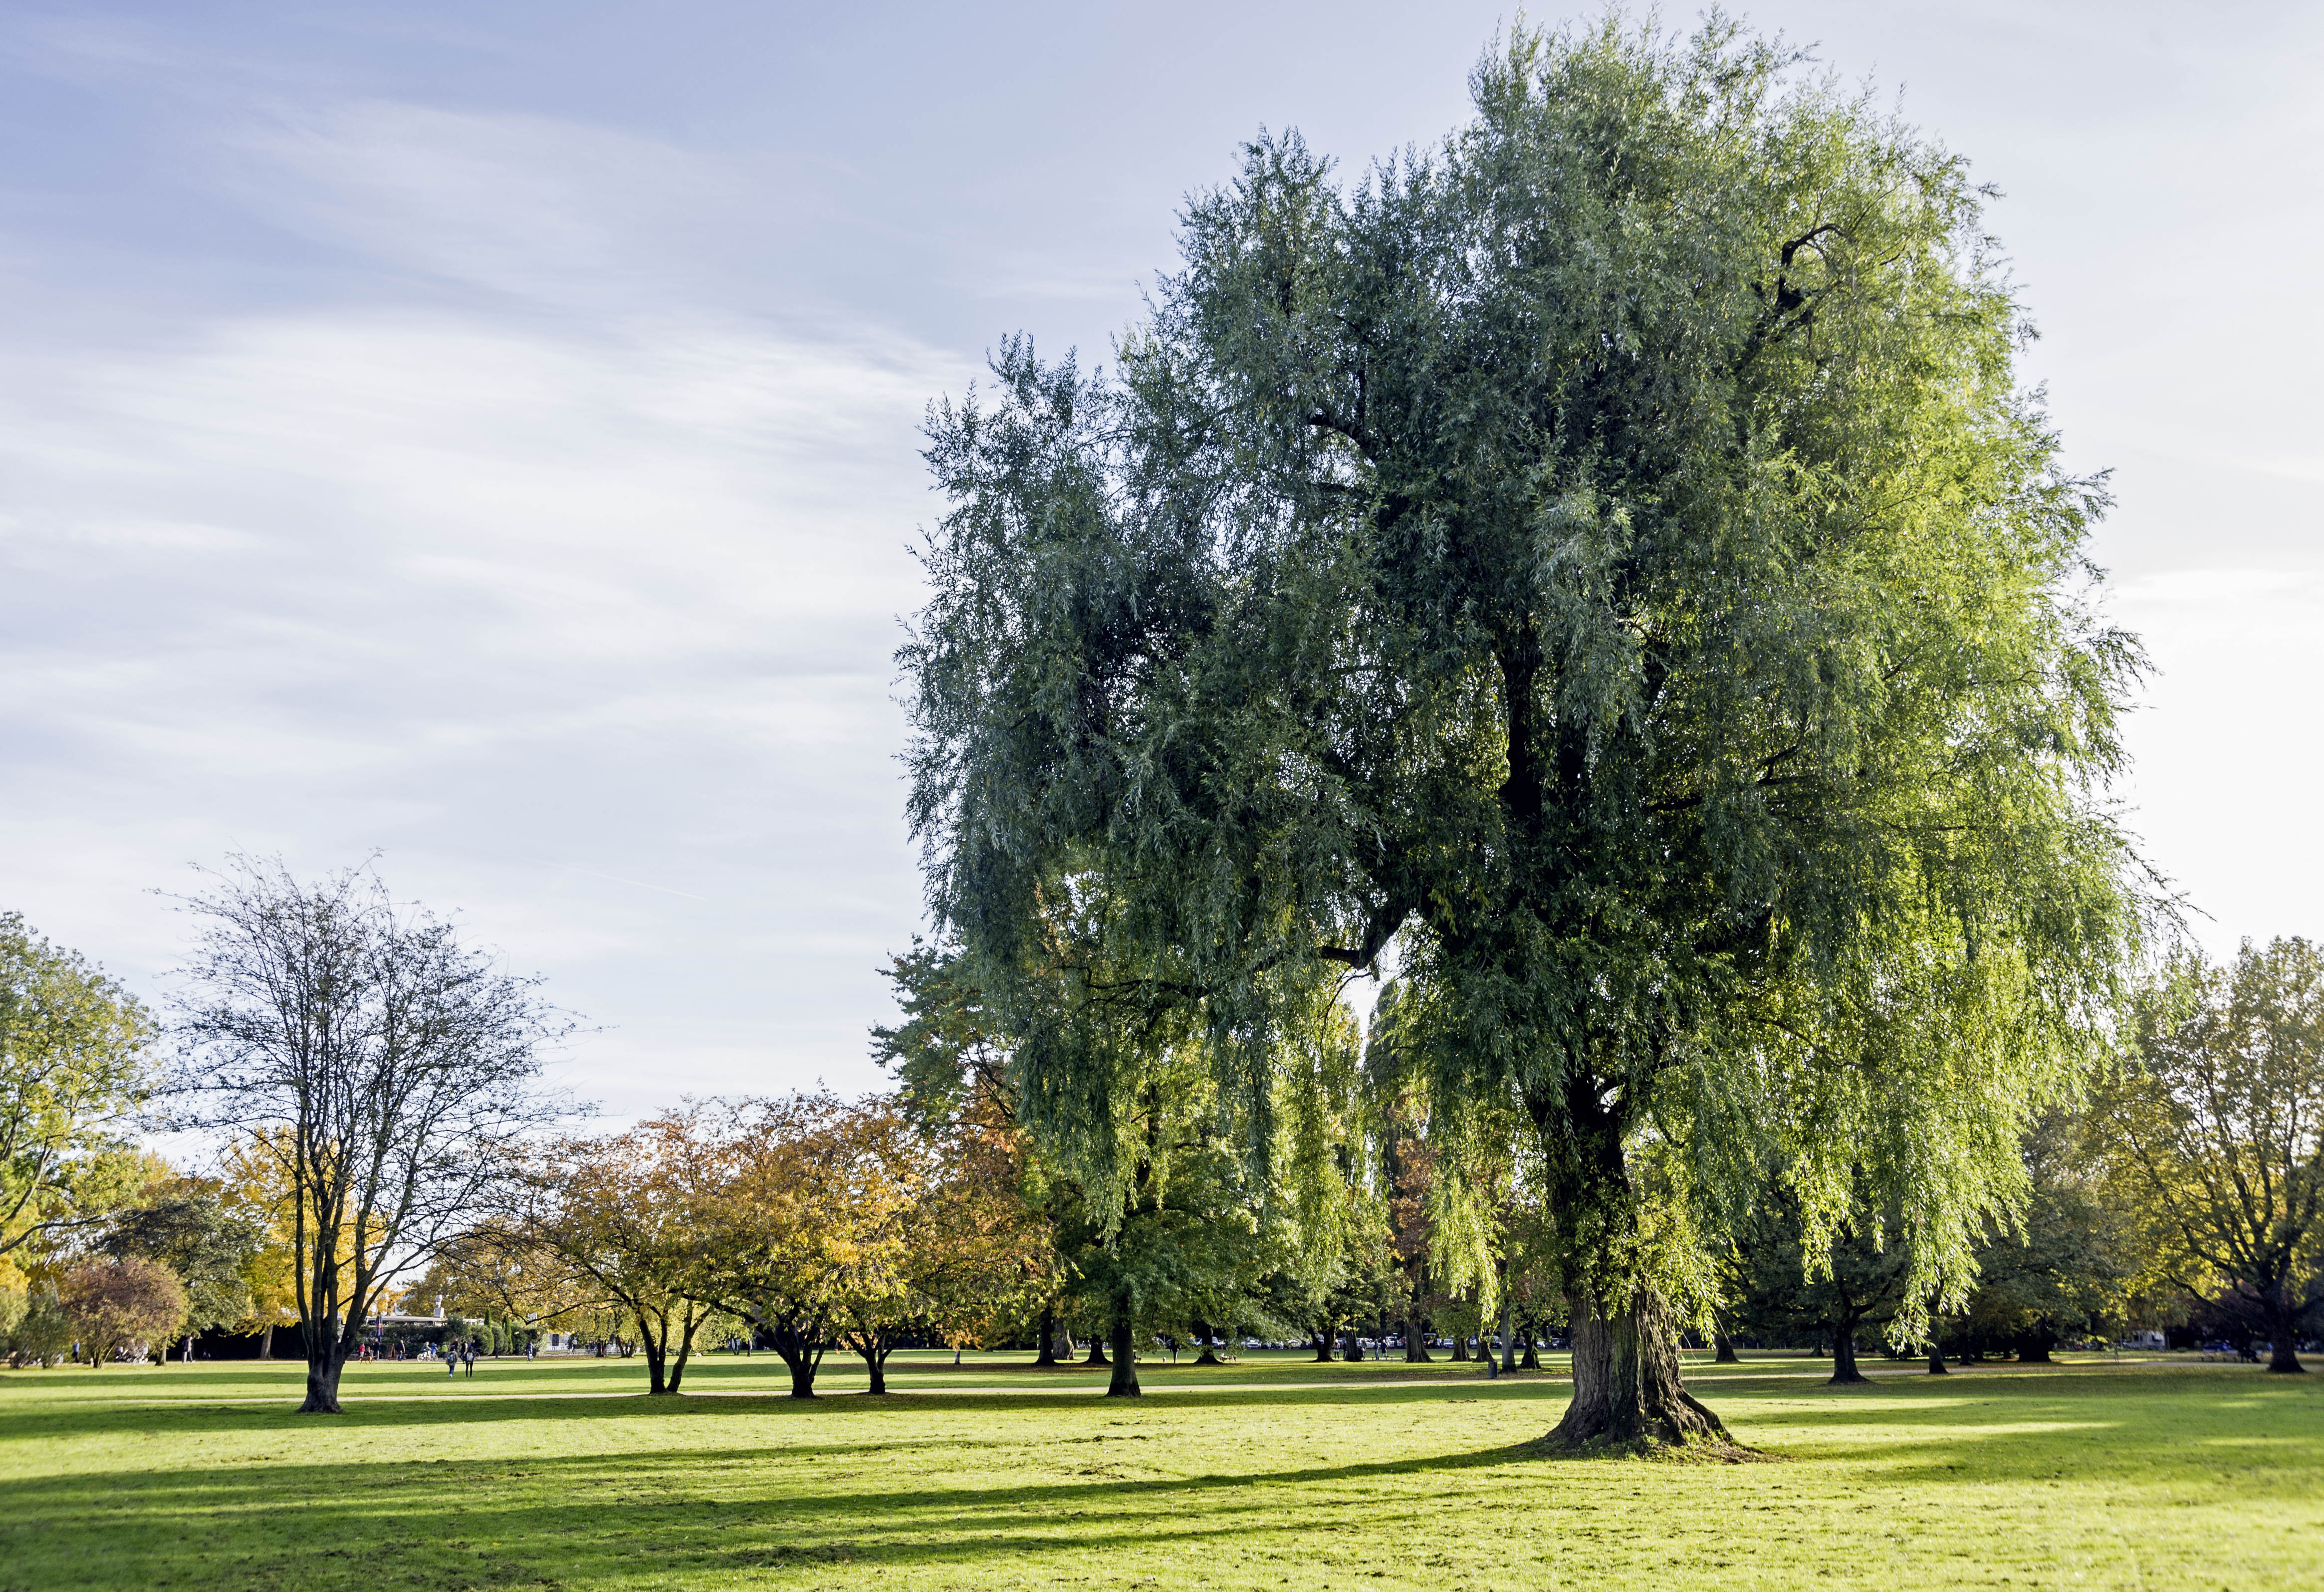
1605, 566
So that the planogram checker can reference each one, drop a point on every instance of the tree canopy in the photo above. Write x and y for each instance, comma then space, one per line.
2214, 1128
73, 1067
1606, 566
185, 1224
385, 1067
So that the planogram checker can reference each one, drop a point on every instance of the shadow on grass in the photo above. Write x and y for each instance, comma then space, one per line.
193, 1414
801, 1492
579, 1519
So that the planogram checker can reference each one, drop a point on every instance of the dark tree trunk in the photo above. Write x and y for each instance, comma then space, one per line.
1937, 1367
2034, 1344
655, 1383
1508, 1334
1416, 1338
875, 1360
1531, 1359
1627, 1386
1724, 1350
1325, 1336
677, 1361
1097, 1351
799, 1351
266, 1342
1124, 1383
1048, 1355
1844, 1353
1460, 1346
323, 1369
2284, 1340
1351, 1349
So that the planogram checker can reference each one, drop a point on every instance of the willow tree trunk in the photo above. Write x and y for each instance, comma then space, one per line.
1844, 1353
1627, 1386
1124, 1383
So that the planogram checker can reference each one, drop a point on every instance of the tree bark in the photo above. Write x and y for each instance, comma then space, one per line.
1509, 1333
1048, 1355
1724, 1347
1097, 1350
2283, 1341
876, 1362
1843, 1354
1531, 1359
1326, 1335
1627, 1386
1416, 1337
1124, 1383
1351, 1349
1937, 1367
323, 1381
799, 1351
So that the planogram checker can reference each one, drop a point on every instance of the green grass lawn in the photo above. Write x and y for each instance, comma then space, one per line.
1272, 1473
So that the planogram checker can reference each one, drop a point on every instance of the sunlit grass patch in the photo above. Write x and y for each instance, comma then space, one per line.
555, 1475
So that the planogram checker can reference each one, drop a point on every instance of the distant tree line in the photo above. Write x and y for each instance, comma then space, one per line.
2178, 1191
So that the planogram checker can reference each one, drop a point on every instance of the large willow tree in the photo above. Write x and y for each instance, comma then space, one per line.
1605, 567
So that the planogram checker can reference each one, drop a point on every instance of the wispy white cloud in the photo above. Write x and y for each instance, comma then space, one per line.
489, 436
544, 603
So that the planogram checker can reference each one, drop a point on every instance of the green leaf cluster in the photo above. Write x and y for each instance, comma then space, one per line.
74, 1070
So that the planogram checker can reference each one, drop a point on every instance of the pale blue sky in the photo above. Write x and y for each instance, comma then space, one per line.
484, 433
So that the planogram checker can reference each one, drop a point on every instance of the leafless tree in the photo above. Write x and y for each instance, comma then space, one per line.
384, 1068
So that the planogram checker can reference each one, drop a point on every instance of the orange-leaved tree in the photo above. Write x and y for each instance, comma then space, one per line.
982, 1255
628, 1213
803, 1234
118, 1305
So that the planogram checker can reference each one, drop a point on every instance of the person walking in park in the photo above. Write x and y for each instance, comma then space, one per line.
451, 1359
